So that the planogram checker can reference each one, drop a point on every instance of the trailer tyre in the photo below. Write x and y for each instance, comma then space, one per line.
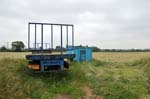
66, 64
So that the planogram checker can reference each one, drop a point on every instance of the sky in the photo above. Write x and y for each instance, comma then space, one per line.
119, 24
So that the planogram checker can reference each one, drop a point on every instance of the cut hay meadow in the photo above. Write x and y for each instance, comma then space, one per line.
110, 75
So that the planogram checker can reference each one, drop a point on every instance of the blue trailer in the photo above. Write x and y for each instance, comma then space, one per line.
42, 59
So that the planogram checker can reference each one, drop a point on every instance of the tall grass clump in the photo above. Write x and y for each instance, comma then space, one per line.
140, 62
17, 82
116, 82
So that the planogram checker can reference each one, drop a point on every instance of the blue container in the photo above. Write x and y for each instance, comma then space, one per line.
81, 53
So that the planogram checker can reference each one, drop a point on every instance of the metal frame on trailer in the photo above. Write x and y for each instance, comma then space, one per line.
51, 24
49, 60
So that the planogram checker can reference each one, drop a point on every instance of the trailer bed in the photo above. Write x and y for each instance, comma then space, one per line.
49, 56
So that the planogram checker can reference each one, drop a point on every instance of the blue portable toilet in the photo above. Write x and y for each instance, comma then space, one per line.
82, 53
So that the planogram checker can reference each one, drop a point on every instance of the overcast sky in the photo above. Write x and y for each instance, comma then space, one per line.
102, 23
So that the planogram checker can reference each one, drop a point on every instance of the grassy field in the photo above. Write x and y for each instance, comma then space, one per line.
13, 55
107, 76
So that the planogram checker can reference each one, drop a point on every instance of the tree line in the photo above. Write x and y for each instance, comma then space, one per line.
19, 46
96, 49
16, 46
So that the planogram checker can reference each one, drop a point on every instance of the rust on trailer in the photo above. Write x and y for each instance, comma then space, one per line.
34, 66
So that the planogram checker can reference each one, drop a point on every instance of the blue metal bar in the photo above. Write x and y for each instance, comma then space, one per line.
28, 36
48, 57
51, 36
35, 37
46, 45
42, 37
67, 36
51, 24
72, 36
61, 39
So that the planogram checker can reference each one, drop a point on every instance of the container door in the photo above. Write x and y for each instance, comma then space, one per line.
82, 55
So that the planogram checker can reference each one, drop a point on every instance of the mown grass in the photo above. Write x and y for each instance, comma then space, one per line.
109, 79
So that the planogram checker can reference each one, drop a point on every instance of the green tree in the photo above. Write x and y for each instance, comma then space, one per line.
96, 49
3, 48
17, 46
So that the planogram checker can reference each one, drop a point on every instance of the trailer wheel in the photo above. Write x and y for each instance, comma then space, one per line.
66, 64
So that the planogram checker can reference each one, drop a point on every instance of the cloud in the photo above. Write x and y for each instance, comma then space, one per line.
104, 23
